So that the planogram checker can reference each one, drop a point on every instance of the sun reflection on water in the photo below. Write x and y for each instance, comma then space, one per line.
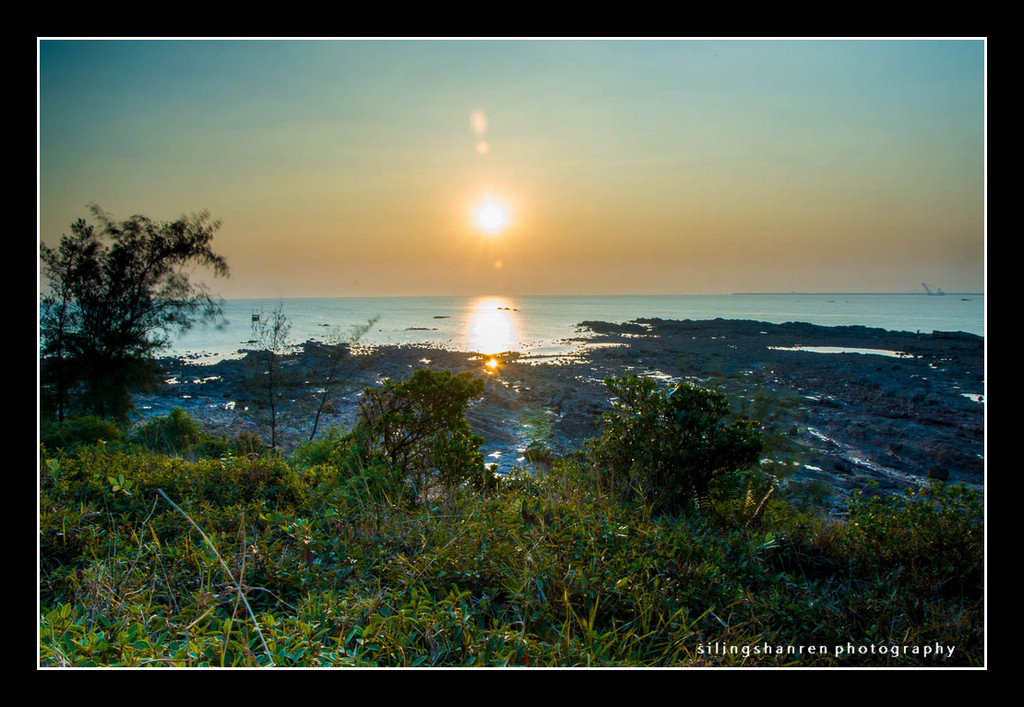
493, 328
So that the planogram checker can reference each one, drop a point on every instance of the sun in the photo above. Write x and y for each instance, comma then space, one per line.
491, 216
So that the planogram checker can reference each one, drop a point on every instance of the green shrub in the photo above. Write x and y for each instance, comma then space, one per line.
669, 448
76, 432
418, 429
933, 537
248, 444
331, 447
178, 433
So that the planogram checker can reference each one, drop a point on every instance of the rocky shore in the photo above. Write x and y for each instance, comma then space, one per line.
893, 409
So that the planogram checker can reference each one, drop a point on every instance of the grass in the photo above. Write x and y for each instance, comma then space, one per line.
252, 560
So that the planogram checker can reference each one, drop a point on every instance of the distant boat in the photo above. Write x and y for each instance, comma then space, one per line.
937, 293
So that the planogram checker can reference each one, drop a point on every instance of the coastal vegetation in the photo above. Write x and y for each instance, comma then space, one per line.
115, 294
391, 545
659, 542
270, 334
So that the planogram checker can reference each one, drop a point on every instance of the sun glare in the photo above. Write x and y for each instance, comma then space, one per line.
492, 328
491, 217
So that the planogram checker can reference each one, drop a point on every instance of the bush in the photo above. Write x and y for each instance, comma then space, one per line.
669, 448
932, 536
418, 429
77, 432
248, 444
331, 447
178, 433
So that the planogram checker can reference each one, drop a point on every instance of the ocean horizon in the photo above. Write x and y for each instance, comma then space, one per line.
542, 325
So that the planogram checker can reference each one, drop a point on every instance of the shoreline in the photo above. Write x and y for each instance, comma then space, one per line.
837, 421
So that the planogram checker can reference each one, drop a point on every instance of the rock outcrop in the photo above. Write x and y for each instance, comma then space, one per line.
898, 408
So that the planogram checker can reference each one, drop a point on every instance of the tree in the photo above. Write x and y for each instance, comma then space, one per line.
330, 357
116, 295
668, 448
73, 263
271, 336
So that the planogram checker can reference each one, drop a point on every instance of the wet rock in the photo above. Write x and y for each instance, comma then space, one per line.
907, 417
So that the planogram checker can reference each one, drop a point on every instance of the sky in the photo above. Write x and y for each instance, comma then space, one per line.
473, 167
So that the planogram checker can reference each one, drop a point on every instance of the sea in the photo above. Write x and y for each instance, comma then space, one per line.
549, 325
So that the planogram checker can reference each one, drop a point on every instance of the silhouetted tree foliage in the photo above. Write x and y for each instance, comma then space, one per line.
331, 356
117, 291
271, 337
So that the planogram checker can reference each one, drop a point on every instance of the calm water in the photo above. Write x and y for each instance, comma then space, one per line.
540, 324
